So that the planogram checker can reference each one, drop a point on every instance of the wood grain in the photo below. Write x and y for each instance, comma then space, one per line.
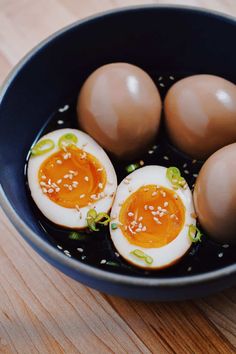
43, 311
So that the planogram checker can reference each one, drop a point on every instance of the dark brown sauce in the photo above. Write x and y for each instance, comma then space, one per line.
96, 249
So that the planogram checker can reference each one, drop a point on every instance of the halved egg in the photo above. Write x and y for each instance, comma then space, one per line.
152, 218
69, 174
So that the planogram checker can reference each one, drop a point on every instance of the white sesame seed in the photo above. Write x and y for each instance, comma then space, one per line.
60, 248
161, 84
138, 230
154, 193
83, 257
150, 152
157, 220
160, 78
185, 165
54, 185
100, 169
132, 232
165, 157
163, 194
194, 161
157, 186
75, 183
144, 228
70, 176
82, 196
189, 269
145, 207
42, 184
49, 182
126, 227
70, 188
166, 204
155, 213
57, 189
44, 190
172, 216
171, 77
77, 207
151, 207
63, 109
140, 218
195, 175
141, 162
65, 176
140, 225
130, 214
146, 189
117, 254
60, 121
59, 181
50, 190
103, 261
93, 196
225, 245
86, 178
59, 162
100, 185
80, 249
43, 177
220, 255
133, 223
186, 172
161, 214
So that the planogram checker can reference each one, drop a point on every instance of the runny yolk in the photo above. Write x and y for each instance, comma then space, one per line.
152, 216
72, 178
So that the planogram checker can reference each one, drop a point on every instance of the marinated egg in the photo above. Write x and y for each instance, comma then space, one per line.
151, 218
120, 107
215, 195
200, 114
69, 174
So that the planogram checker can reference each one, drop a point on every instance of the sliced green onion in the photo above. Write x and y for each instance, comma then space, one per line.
42, 147
114, 226
92, 225
194, 234
174, 176
140, 254
76, 236
67, 140
92, 214
102, 218
149, 260
132, 167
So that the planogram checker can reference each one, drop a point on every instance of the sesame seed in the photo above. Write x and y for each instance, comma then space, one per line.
154, 193
161, 214
93, 196
100, 185
150, 152
189, 269
117, 254
100, 169
82, 196
144, 228
163, 194
77, 207
49, 182
44, 190
145, 207
70, 188
186, 172
165, 157
126, 227
220, 255
195, 175
63, 109
86, 178
151, 207
161, 84
57, 189
60, 248
43, 177
166, 204
160, 78
140, 218
146, 189
60, 121
70, 176
66, 176
133, 223
138, 230
83, 257
225, 245
194, 161
141, 162
172, 216
42, 184
59, 162
157, 220
171, 77
80, 249
50, 190
59, 181
185, 165
130, 214
155, 213
157, 186
103, 261
75, 183
54, 185
132, 232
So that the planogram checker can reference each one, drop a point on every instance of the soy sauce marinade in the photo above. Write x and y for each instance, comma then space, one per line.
96, 248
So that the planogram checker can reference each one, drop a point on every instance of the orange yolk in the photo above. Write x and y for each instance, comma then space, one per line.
72, 178
152, 216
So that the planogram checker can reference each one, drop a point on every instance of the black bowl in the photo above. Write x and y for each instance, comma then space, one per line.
162, 40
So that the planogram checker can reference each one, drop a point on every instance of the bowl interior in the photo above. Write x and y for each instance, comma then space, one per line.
166, 42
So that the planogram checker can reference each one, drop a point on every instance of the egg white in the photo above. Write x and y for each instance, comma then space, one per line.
163, 256
70, 217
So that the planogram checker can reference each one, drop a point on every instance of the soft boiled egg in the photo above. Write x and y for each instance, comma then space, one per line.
68, 175
152, 218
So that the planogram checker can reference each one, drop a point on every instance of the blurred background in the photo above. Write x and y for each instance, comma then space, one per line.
24, 23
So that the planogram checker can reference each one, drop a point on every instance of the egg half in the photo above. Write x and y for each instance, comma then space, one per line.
69, 174
150, 219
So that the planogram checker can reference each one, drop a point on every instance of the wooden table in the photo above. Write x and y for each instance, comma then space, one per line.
43, 311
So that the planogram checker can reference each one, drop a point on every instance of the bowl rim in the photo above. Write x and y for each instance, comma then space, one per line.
55, 254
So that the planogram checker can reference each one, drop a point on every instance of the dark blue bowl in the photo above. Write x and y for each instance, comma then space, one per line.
161, 38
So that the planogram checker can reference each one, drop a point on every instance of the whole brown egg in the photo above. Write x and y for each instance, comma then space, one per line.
215, 195
120, 107
200, 114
